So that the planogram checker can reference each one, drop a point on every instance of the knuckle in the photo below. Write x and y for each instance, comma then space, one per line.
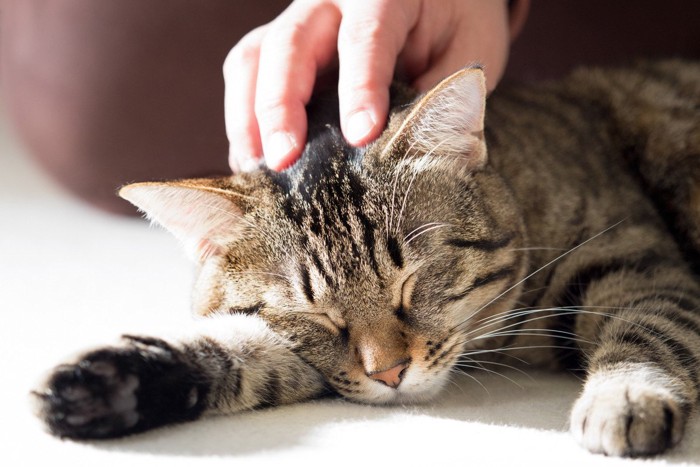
245, 52
289, 33
270, 110
359, 90
365, 31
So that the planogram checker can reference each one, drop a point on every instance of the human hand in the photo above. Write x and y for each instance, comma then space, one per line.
270, 74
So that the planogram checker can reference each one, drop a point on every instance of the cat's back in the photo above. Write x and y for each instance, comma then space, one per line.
652, 106
654, 112
600, 147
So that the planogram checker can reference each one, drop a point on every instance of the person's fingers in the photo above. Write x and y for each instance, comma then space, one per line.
299, 43
271, 74
370, 38
482, 39
429, 37
240, 75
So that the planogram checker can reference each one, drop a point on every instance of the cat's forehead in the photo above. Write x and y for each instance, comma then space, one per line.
323, 197
327, 178
325, 155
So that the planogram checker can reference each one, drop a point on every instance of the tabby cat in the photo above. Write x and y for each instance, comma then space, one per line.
370, 272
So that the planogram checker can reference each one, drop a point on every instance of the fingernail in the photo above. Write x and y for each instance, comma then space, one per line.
359, 125
248, 164
245, 163
278, 147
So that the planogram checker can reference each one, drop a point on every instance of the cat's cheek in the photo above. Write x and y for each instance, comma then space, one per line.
368, 392
417, 387
427, 384
423, 391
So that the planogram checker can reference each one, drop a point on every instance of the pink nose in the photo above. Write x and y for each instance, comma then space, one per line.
391, 377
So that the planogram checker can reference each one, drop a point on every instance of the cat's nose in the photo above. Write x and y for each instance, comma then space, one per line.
391, 377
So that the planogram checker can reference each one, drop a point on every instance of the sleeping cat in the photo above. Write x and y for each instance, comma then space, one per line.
370, 272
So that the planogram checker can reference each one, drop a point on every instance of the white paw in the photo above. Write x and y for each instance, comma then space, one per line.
630, 413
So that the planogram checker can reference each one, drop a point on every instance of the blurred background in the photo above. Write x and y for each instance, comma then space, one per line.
106, 92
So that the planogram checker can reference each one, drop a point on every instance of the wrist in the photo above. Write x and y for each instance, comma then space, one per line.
517, 14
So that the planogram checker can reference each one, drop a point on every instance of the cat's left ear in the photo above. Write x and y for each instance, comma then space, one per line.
447, 123
204, 214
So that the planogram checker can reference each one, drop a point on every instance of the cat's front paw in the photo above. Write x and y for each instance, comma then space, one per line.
116, 391
628, 414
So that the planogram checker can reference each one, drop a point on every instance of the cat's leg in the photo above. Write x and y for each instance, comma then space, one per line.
642, 380
226, 364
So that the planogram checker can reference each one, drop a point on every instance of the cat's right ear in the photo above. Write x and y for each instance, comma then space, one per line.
201, 215
446, 124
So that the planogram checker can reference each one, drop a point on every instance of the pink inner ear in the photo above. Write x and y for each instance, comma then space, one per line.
448, 119
207, 249
452, 114
202, 219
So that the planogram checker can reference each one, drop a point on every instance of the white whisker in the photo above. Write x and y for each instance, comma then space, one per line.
427, 230
393, 202
541, 333
571, 250
410, 184
457, 370
522, 347
536, 248
477, 367
420, 227
403, 204
397, 174
510, 367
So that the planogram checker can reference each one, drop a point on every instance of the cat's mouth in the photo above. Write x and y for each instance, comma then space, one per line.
422, 377
417, 386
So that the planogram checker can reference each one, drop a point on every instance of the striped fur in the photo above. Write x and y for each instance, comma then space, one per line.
373, 272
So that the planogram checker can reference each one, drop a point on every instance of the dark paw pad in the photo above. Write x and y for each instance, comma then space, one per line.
121, 390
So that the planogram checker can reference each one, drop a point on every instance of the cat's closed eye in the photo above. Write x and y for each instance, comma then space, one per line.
329, 320
405, 298
246, 309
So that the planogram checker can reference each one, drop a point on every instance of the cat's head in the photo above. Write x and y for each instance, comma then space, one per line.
379, 265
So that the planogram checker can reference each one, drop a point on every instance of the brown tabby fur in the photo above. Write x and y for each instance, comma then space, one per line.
371, 272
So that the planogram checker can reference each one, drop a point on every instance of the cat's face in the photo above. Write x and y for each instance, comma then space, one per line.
379, 265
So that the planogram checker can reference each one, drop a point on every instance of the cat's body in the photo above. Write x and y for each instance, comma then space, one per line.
371, 272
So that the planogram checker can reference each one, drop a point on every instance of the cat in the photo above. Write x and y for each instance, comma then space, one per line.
370, 272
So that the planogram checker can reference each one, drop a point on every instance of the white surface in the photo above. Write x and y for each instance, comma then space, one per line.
71, 277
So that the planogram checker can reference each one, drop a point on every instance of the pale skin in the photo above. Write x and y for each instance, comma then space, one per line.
270, 74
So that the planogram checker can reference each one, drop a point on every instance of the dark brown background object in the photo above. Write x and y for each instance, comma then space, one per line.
113, 91
562, 34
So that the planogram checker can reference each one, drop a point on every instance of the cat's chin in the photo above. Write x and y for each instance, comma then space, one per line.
414, 390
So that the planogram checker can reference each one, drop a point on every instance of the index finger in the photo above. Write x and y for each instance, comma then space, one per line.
299, 43
370, 38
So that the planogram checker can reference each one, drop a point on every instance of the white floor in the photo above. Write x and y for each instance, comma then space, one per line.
71, 277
